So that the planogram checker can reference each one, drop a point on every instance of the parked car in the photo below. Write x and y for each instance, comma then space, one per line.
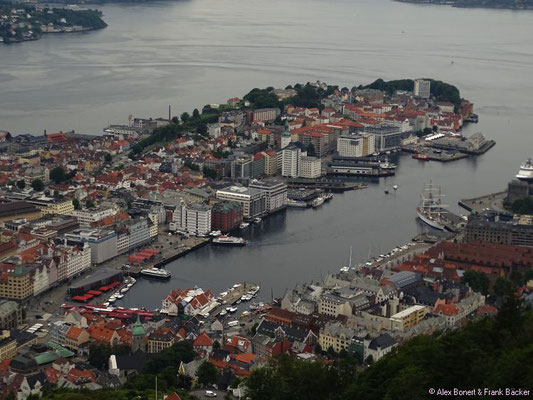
209, 393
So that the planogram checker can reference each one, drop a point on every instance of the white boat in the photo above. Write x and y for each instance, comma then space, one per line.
215, 233
526, 171
111, 300
119, 296
157, 273
125, 289
231, 309
225, 240
296, 203
395, 187
318, 201
222, 313
244, 225
257, 220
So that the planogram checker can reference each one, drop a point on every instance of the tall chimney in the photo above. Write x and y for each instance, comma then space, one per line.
169, 117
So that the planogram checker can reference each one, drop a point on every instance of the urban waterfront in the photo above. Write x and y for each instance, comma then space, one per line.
236, 50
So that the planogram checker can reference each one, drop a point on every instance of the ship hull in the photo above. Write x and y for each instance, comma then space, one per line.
238, 244
430, 222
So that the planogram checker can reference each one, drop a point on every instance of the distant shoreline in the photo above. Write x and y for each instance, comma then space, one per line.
486, 4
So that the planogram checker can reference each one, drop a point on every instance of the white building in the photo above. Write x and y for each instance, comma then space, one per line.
276, 193
253, 201
87, 216
193, 218
310, 167
422, 88
356, 146
290, 161
78, 259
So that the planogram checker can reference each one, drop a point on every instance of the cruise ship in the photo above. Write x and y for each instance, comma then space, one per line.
526, 171
430, 209
157, 273
224, 240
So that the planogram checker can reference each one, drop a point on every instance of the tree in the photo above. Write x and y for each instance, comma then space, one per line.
58, 174
195, 114
21, 184
477, 280
108, 158
99, 354
523, 205
516, 278
37, 185
89, 204
202, 129
502, 287
207, 373
210, 173
175, 120
216, 345
311, 152
76, 204
185, 117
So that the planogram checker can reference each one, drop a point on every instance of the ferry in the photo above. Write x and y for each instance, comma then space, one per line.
421, 157
225, 240
155, 273
526, 171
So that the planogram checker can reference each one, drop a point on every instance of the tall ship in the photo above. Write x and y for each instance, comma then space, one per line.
430, 208
157, 273
224, 240
526, 171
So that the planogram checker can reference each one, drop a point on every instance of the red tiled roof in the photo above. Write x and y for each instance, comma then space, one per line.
202, 340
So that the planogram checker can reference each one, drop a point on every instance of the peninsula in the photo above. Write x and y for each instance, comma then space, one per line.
20, 23
499, 4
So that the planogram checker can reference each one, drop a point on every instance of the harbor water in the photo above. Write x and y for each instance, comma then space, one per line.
192, 52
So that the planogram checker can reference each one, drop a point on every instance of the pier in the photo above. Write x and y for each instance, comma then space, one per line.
176, 248
492, 201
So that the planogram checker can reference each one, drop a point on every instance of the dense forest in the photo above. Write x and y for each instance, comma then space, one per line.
503, 4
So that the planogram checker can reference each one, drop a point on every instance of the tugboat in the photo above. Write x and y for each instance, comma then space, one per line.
421, 157
224, 240
526, 171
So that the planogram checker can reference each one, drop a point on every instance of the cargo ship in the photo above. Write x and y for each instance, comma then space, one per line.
225, 240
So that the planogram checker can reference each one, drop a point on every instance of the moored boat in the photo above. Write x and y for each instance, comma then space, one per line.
421, 157
526, 171
157, 273
224, 240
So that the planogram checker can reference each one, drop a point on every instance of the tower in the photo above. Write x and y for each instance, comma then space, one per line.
138, 337
286, 136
